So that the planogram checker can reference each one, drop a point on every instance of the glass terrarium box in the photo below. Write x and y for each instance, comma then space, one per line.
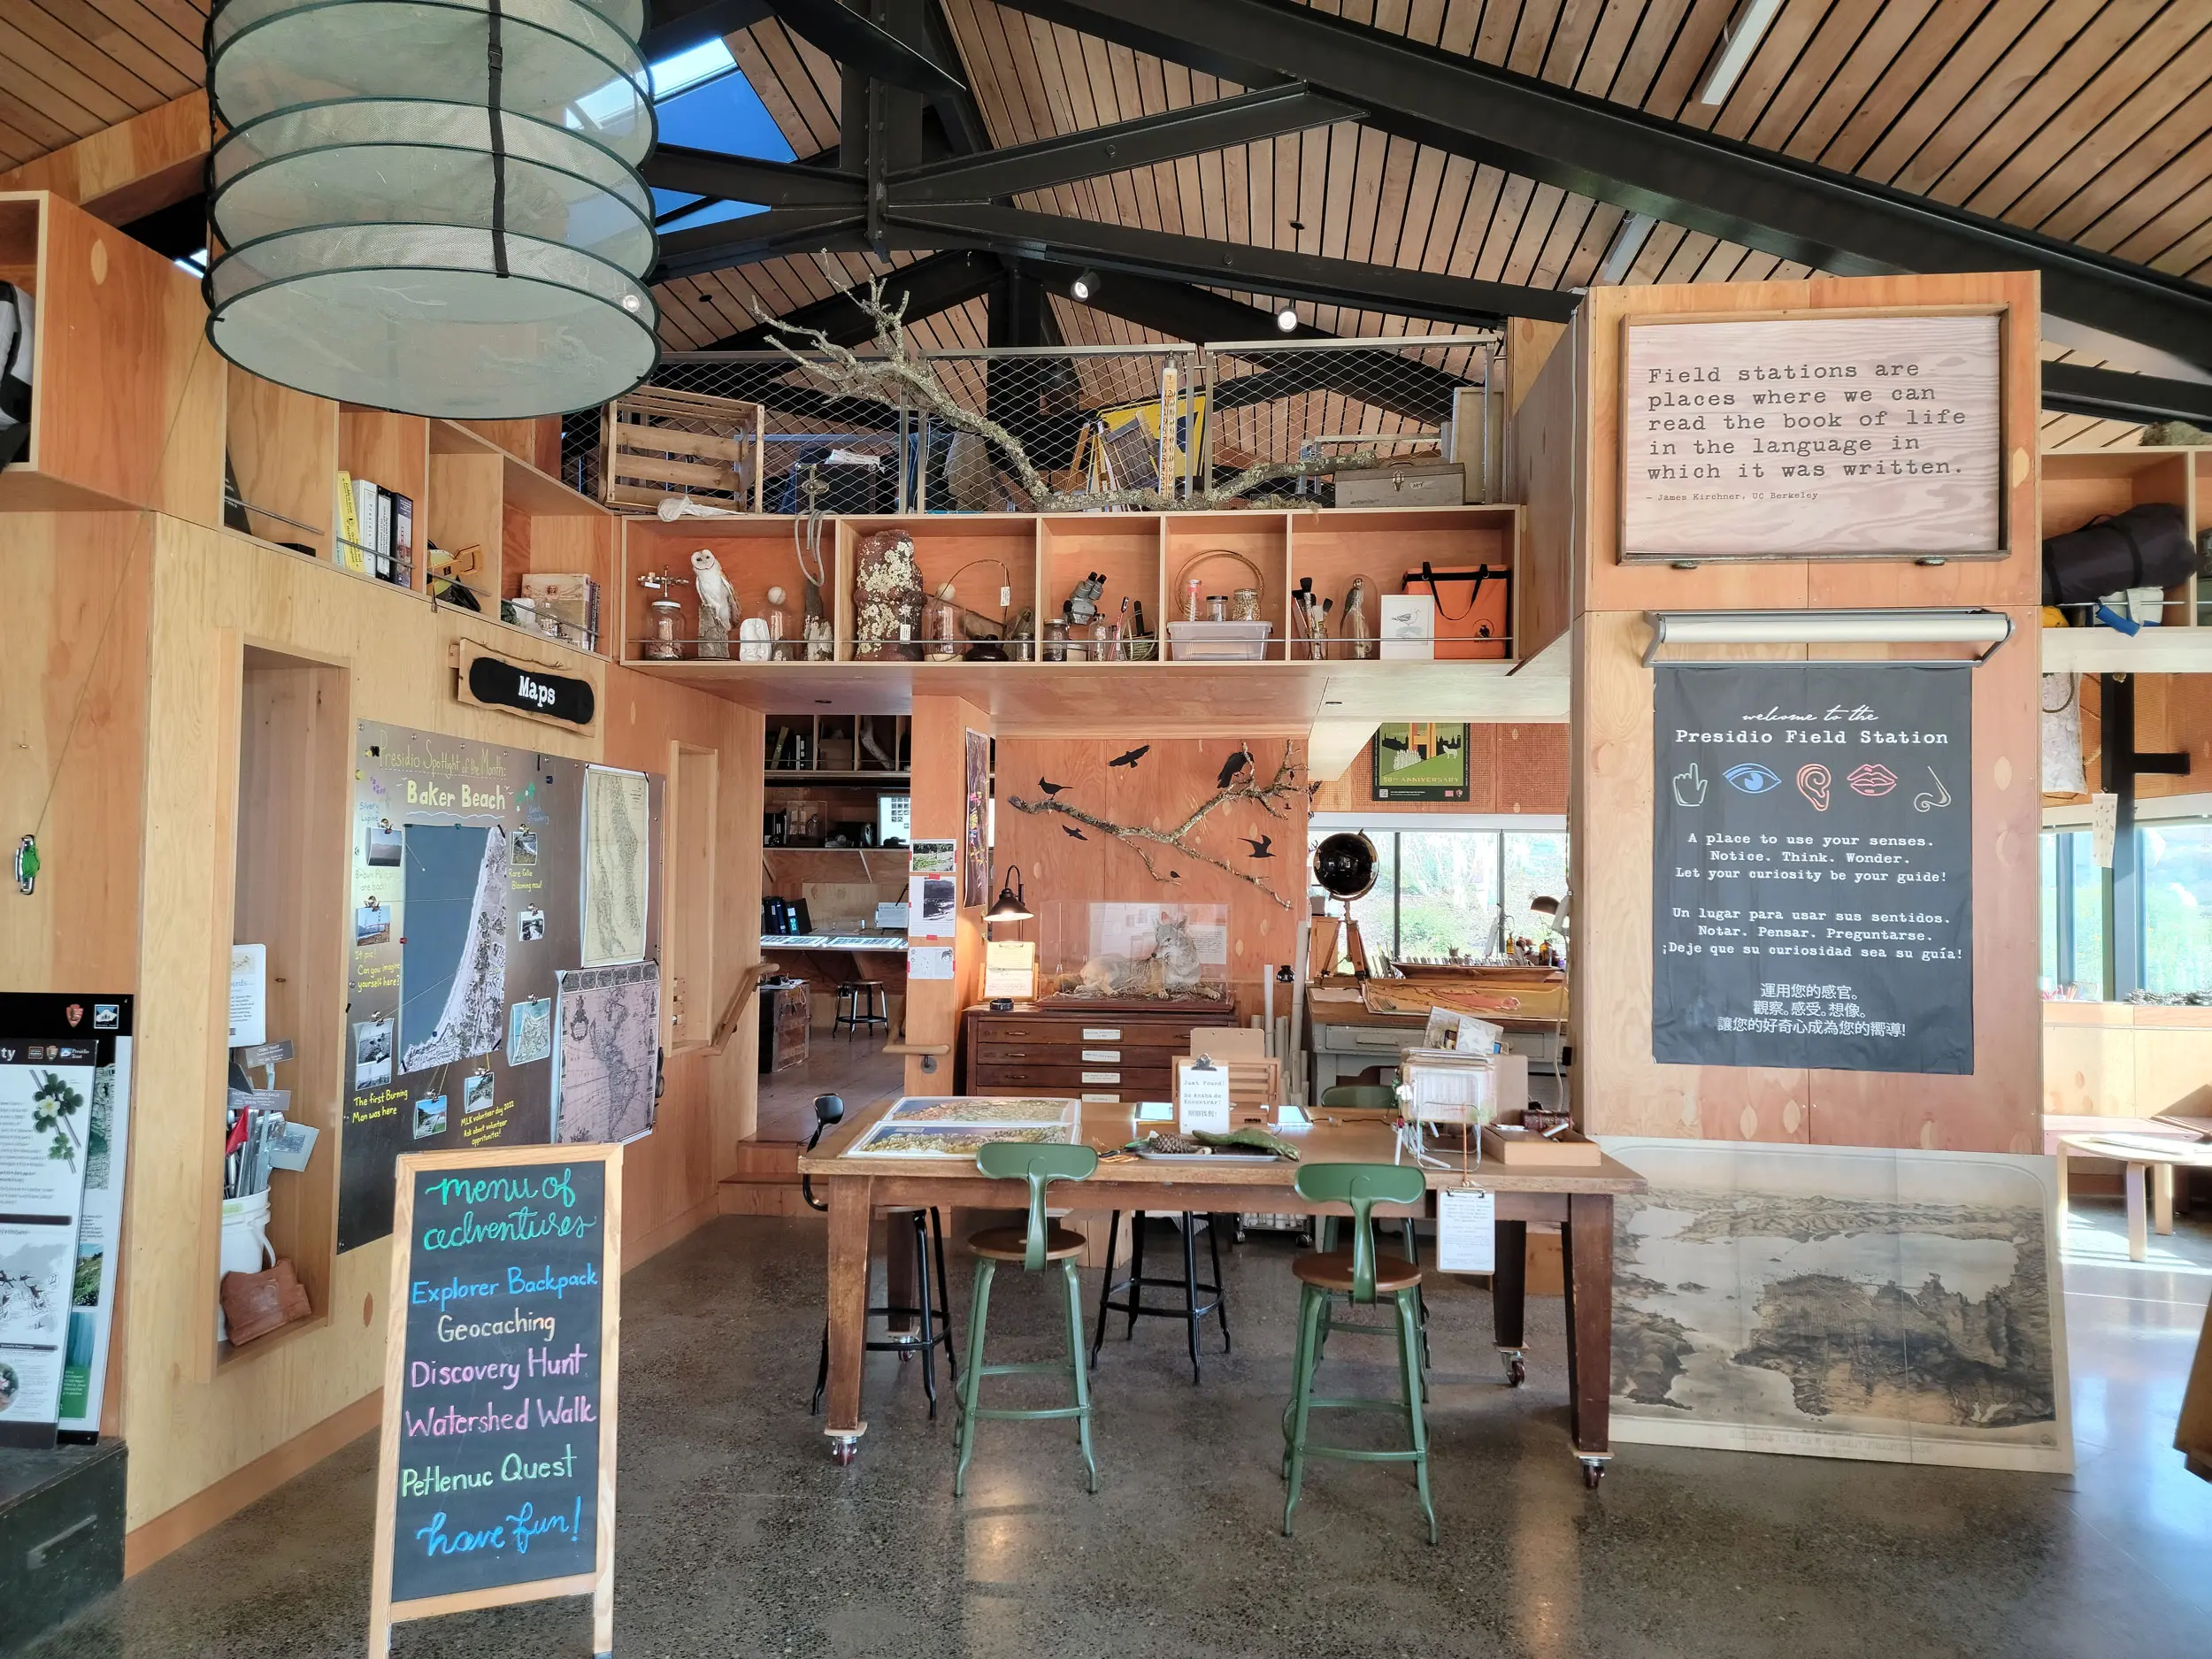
1136, 954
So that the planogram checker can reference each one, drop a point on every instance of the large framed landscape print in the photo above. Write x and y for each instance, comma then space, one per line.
1811, 437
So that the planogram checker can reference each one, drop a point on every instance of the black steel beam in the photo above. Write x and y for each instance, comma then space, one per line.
758, 236
1126, 144
928, 286
2071, 388
672, 25
1387, 380
1816, 216
957, 113
1225, 265
711, 173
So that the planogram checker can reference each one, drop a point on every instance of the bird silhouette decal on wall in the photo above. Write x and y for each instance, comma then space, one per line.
1259, 847
1068, 829
1131, 756
1050, 788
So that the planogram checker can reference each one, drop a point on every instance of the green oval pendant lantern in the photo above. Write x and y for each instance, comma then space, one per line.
433, 205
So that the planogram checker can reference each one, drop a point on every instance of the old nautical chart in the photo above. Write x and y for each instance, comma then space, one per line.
605, 1053
617, 828
1841, 1302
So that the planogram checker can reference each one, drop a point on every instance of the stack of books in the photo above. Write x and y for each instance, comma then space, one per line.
376, 531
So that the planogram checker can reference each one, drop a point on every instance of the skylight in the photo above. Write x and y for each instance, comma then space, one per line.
690, 66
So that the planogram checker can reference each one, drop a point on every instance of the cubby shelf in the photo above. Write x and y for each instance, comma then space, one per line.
1001, 563
2078, 486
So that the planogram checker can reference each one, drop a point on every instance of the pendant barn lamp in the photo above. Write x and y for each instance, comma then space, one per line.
433, 205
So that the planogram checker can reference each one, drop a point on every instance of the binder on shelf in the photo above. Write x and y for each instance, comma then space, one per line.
365, 518
383, 539
402, 540
347, 554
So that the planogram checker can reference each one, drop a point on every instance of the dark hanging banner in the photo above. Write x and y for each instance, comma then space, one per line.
1812, 867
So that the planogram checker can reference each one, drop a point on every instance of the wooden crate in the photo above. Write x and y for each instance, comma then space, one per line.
655, 443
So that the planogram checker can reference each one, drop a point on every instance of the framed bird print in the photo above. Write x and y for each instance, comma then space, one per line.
1421, 760
975, 828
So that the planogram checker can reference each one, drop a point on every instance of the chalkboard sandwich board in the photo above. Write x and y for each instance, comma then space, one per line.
496, 1479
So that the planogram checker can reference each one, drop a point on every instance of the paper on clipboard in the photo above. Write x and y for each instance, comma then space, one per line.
1205, 1093
1466, 1229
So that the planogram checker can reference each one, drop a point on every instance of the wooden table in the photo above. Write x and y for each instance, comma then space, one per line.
1579, 1200
2142, 1158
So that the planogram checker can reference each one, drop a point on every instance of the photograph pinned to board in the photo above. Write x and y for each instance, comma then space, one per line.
371, 1053
372, 922
530, 925
530, 1031
606, 1058
976, 823
525, 855
430, 1115
477, 1092
453, 951
384, 846
618, 864
932, 857
929, 906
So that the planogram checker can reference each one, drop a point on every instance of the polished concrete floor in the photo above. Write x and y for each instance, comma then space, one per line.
739, 1536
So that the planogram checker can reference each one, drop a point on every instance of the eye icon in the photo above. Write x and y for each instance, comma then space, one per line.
1752, 778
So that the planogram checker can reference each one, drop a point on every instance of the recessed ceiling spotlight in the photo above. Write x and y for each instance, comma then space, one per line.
1084, 285
1286, 320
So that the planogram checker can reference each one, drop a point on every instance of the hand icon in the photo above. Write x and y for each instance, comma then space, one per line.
1689, 787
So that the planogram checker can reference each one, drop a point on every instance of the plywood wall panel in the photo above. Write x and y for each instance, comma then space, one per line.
211, 595
1170, 779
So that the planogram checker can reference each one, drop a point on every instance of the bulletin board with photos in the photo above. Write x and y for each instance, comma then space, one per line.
502, 986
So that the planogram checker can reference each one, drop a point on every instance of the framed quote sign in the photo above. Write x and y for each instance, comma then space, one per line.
1811, 437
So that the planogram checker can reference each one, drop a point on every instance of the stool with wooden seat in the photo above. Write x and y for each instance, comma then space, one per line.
1029, 1246
1366, 1278
1193, 1312
931, 1312
860, 1006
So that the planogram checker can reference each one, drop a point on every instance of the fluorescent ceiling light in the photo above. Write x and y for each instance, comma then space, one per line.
1634, 233
1737, 42
1953, 626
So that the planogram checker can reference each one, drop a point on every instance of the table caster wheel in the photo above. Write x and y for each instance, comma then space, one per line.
843, 1449
1593, 1471
1516, 1367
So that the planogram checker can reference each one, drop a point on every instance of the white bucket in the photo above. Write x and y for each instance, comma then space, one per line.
246, 1248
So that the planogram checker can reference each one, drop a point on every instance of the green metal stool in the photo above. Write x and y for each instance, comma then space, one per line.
1368, 1098
1032, 1246
1357, 1273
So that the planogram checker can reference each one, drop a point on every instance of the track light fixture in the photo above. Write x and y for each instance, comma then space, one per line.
1286, 320
1085, 286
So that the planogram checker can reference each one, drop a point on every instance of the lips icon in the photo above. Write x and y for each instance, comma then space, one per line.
1812, 783
1872, 779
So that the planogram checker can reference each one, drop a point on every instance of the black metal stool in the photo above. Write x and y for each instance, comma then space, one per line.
929, 1238
861, 1006
1193, 1310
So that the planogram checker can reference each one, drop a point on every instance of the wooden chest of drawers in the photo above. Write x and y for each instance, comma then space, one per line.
1078, 1054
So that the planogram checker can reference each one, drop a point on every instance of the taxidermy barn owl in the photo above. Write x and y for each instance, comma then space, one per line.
716, 597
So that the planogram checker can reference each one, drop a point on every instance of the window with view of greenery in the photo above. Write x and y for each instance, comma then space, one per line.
2176, 876
1439, 891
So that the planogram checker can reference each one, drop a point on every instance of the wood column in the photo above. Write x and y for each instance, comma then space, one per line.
941, 731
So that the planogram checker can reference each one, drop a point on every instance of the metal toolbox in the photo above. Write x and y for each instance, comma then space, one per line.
1430, 484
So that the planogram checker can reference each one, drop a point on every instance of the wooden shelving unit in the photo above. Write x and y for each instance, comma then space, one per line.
1035, 559
2080, 485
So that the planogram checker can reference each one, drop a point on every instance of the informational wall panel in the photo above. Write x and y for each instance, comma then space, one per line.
1797, 437
1812, 869
476, 869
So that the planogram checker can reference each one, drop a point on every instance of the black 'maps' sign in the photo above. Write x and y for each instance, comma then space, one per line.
1812, 867
532, 690
497, 1465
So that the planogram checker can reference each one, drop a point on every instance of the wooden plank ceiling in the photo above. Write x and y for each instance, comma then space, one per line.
2087, 119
